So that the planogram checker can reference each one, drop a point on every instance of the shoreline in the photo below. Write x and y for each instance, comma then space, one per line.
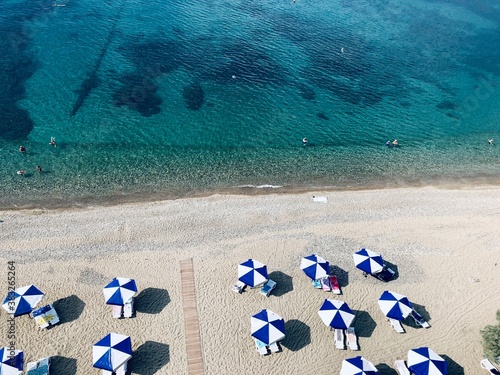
52, 203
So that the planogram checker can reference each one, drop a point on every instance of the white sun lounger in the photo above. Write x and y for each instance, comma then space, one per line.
396, 324
117, 311
261, 347
274, 347
352, 339
128, 308
239, 287
338, 337
40, 367
45, 317
419, 320
268, 288
488, 366
401, 367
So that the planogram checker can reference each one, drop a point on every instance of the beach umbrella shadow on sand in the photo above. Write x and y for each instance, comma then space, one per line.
152, 300
298, 335
62, 365
69, 308
149, 358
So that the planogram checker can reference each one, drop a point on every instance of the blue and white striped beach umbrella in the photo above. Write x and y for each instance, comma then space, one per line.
424, 361
394, 305
252, 273
336, 314
358, 366
22, 300
112, 352
119, 291
315, 267
11, 361
368, 261
267, 327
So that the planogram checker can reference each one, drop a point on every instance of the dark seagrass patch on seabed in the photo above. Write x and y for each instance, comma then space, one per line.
194, 96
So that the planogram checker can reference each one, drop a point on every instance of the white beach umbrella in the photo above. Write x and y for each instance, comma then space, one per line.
336, 314
112, 352
11, 361
358, 366
119, 291
394, 305
252, 272
368, 261
314, 266
22, 300
267, 327
424, 361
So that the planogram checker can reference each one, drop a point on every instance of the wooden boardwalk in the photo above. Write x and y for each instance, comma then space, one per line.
191, 320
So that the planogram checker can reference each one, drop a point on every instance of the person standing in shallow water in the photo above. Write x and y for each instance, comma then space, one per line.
304, 141
39, 169
22, 149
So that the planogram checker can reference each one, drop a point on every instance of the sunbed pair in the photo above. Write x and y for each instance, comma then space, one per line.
124, 311
330, 284
40, 367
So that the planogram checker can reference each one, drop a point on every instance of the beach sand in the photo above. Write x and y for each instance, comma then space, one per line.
444, 244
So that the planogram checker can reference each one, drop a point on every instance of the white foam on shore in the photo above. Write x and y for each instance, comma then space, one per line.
261, 186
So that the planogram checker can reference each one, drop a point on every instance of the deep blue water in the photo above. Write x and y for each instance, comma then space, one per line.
151, 99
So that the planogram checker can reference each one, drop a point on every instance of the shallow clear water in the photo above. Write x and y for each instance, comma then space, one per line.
164, 99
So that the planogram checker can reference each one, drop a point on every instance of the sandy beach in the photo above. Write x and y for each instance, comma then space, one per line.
443, 243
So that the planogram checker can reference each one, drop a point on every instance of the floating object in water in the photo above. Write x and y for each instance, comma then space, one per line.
233, 76
342, 50
58, 5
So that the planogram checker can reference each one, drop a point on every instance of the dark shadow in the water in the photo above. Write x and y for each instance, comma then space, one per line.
92, 80
138, 93
151, 60
17, 65
194, 97
306, 92
322, 116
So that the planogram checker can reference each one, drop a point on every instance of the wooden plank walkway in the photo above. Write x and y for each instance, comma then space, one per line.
191, 319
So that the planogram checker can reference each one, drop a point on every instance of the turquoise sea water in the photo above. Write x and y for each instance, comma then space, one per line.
156, 99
